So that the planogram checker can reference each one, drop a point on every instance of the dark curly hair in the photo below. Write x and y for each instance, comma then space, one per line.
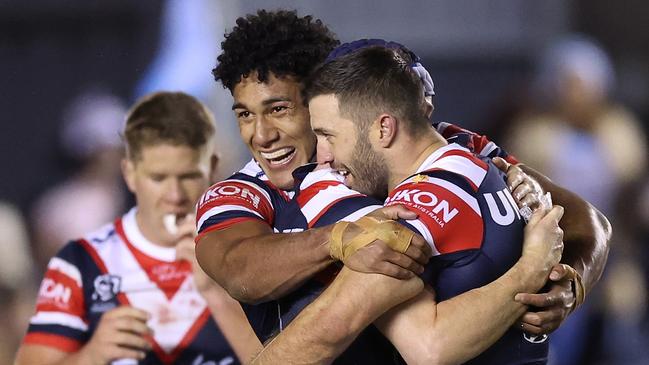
280, 42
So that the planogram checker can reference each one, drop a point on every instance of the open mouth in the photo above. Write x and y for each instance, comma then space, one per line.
280, 156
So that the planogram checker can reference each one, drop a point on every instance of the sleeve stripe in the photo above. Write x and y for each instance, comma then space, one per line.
59, 318
254, 186
65, 268
62, 343
325, 198
421, 228
468, 199
462, 166
223, 225
309, 193
360, 213
323, 211
487, 149
221, 209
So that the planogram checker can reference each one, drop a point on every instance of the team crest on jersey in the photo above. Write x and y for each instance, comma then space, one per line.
106, 287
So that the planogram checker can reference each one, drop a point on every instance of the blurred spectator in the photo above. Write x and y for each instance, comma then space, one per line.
16, 280
95, 193
587, 143
184, 61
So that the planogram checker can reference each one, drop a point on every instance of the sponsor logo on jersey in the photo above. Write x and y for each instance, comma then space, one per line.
231, 190
440, 207
54, 292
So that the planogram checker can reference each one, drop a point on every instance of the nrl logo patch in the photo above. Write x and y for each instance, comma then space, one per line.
106, 287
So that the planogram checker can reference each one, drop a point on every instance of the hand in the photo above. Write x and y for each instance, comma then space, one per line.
543, 241
120, 334
525, 189
378, 258
186, 250
552, 307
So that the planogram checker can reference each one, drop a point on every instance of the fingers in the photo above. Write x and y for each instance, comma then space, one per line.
521, 191
405, 262
397, 211
539, 323
127, 311
130, 340
133, 326
395, 271
186, 225
420, 243
126, 353
501, 163
561, 271
542, 300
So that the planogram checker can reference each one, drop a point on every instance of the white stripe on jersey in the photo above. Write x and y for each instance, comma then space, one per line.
254, 186
223, 208
361, 213
468, 199
461, 166
66, 268
487, 149
317, 176
59, 318
323, 198
252, 169
426, 165
424, 232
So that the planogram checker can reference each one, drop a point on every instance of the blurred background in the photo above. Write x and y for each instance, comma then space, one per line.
563, 85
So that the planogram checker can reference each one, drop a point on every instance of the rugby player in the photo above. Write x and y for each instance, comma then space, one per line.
132, 291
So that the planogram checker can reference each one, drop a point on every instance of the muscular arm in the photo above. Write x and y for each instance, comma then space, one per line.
587, 232
254, 264
453, 331
327, 326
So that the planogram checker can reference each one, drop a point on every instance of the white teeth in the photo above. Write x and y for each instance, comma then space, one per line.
276, 154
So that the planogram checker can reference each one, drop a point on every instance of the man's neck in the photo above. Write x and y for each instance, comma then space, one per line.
150, 233
411, 154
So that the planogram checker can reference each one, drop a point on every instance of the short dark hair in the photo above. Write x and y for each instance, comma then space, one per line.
371, 81
167, 117
279, 42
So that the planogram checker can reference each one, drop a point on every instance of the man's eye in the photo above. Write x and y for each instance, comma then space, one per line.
243, 114
279, 109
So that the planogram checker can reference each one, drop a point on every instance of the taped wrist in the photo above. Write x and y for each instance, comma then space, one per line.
396, 236
578, 289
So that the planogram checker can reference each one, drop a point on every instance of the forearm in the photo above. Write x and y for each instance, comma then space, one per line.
458, 329
264, 266
234, 325
46, 355
587, 232
327, 326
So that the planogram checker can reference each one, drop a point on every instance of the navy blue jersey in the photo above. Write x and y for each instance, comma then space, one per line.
472, 223
116, 266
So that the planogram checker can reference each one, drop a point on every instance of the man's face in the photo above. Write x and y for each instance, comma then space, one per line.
274, 124
167, 179
347, 150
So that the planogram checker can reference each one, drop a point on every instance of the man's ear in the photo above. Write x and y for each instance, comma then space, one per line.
387, 126
214, 163
128, 172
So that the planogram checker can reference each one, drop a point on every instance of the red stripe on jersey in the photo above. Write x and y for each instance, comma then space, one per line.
311, 191
473, 186
63, 343
60, 293
313, 221
450, 221
468, 155
188, 338
230, 192
226, 224
167, 276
